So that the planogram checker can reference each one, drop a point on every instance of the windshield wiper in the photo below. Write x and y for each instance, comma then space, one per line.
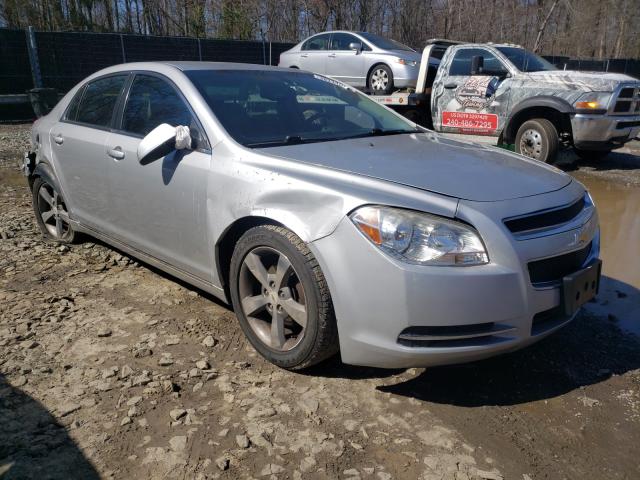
378, 132
288, 140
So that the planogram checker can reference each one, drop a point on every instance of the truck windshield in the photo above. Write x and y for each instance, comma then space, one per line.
384, 43
526, 61
268, 108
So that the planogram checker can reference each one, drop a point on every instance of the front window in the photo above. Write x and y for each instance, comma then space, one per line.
461, 63
341, 41
526, 61
274, 108
151, 102
385, 43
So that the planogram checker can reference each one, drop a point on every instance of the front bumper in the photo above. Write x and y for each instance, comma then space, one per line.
405, 76
603, 132
378, 299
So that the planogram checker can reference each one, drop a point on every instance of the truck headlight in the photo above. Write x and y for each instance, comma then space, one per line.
593, 102
420, 238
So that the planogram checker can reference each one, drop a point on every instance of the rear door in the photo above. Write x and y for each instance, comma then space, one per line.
161, 206
78, 149
469, 102
313, 56
343, 63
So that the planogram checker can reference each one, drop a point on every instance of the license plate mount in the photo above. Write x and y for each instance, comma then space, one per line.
581, 286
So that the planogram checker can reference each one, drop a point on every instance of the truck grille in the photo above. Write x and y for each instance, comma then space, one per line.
551, 270
544, 219
628, 101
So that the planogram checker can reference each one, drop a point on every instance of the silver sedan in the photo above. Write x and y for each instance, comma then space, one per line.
360, 59
328, 221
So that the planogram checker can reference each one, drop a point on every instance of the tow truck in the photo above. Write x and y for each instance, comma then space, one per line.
507, 92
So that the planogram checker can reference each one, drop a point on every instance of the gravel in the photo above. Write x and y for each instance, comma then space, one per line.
145, 402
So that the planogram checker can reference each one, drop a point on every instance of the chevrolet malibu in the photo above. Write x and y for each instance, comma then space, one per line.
328, 221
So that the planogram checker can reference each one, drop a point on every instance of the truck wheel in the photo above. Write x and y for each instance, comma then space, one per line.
592, 154
538, 139
380, 79
282, 299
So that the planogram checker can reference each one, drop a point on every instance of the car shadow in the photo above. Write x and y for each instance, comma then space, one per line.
33, 445
586, 352
616, 160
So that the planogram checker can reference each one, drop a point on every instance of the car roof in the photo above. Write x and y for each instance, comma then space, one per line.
186, 66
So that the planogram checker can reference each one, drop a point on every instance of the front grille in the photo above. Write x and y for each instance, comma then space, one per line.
445, 336
551, 270
628, 101
545, 219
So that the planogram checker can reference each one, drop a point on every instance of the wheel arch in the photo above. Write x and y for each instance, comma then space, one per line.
226, 243
556, 110
374, 66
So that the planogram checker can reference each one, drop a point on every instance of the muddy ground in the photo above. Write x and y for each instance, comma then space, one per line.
110, 369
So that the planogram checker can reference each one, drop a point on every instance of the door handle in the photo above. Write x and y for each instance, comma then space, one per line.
450, 85
332, 55
304, 55
116, 153
59, 139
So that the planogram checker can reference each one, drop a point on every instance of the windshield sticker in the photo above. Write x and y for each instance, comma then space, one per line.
324, 99
472, 122
477, 92
331, 81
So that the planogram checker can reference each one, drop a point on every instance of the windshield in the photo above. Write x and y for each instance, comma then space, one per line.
384, 43
261, 108
526, 61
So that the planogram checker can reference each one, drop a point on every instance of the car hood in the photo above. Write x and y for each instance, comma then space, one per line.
432, 162
584, 81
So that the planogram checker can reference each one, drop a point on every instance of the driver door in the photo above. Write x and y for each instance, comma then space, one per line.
471, 102
345, 64
160, 207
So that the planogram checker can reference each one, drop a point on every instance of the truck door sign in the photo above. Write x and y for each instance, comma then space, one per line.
470, 121
476, 93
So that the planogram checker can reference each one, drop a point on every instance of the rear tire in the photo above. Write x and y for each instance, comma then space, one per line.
52, 215
592, 154
282, 299
538, 139
380, 79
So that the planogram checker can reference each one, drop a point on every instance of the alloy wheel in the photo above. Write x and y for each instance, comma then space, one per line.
379, 79
272, 298
53, 211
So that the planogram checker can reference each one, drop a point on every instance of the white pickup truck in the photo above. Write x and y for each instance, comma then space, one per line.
505, 91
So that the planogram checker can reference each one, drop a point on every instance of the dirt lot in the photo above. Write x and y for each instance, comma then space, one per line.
110, 369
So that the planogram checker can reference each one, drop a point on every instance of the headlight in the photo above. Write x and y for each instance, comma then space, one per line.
404, 61
593, 102
420, 238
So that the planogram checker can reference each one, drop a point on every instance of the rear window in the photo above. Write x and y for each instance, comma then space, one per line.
99, 101
385, 43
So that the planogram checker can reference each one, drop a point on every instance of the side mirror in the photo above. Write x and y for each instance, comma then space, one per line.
477, 64
357, 46
162, 140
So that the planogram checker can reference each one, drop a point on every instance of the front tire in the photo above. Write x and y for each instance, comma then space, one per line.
281, 298
380, 79
538, 139
52, 215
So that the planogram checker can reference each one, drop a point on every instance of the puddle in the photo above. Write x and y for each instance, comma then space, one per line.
619, 212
